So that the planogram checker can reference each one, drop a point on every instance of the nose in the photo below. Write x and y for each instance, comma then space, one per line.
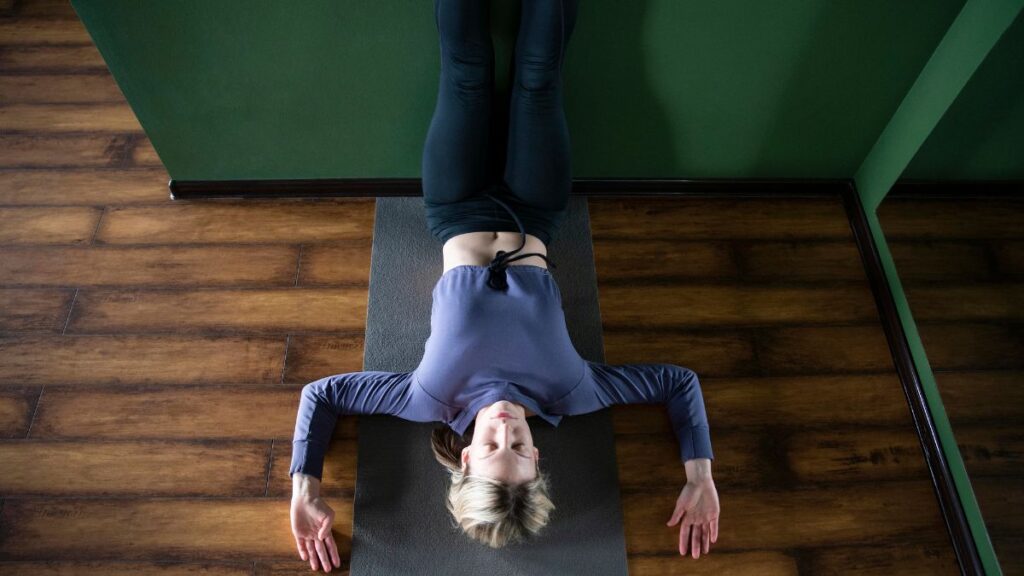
504, 431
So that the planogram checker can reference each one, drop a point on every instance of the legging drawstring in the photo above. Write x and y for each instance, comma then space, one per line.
497, 277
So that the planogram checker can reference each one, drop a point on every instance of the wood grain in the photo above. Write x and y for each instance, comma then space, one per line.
156, 266
84, 186
130, 359
233, 221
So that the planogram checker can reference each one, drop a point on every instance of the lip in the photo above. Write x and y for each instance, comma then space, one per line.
505, 415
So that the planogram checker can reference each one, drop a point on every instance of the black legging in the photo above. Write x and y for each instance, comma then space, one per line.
458, 158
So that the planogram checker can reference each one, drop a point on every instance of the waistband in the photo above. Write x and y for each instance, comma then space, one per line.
497, 278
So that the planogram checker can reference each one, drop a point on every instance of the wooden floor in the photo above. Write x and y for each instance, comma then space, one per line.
152, 352
961, 262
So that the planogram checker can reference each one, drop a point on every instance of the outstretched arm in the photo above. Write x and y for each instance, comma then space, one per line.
697, 508
676, 387
324, 400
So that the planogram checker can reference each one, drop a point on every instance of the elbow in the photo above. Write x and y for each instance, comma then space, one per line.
684, 381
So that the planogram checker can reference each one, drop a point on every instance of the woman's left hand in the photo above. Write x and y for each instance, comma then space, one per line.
698, 508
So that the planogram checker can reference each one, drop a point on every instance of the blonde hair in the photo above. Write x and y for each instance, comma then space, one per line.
488, 510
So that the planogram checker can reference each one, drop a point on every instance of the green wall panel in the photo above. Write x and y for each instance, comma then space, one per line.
662, 88
981, 136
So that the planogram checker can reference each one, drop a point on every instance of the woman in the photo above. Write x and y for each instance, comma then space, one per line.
499, 351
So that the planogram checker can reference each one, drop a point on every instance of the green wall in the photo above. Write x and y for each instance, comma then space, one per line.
657, 88
981, 136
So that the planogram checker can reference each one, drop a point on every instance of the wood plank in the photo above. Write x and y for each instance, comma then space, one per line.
864, 514
734, 305
1010, 552
993, 449
17, 404
84, 186
150, 266
1009, 257
31, 310
718, 218
190, 311
46, 9
114, 566
168, 529
339, 475
43, 31
936, 218
346, 263
939, 259
143, 154
708, 352
626, 260
59, 89
63, 150
903, 558
837, 455
987, 302
762, 563
982, 396
653, 460
122, 359
237, 221
48, 225
803, 261
181, 412
77, 59
783, 401
1001, 500
42, 118
824, 349
132, 467
313, 357
961, 345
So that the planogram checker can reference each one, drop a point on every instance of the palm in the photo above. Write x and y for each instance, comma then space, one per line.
698, 508
311, 525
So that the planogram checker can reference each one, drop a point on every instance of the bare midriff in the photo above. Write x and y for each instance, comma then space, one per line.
479, 248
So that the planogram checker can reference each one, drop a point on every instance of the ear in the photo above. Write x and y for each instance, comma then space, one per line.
536, 453
465, 459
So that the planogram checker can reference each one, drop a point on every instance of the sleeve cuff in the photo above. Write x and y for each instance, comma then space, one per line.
306, 460
695, 442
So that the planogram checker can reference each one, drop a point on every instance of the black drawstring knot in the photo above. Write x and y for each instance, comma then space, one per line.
497, 277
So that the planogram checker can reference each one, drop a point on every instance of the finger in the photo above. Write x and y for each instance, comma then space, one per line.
676, 515
706, 537
714, 530
695, 541
311, 550
684, 537
333, 547
321, 551
302, 551
325, 528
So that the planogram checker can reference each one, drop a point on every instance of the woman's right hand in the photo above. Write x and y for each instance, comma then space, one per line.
312, 519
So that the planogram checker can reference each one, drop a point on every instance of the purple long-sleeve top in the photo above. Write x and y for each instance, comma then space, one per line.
487, 345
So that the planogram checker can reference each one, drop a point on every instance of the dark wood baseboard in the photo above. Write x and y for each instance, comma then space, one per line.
386, 187
942, 479
938, 467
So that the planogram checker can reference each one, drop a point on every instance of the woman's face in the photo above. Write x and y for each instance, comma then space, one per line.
502, 446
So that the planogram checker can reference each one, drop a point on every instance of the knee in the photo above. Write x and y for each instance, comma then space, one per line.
470, 70
538, 73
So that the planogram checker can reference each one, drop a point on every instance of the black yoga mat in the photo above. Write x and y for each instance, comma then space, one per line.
401, 525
